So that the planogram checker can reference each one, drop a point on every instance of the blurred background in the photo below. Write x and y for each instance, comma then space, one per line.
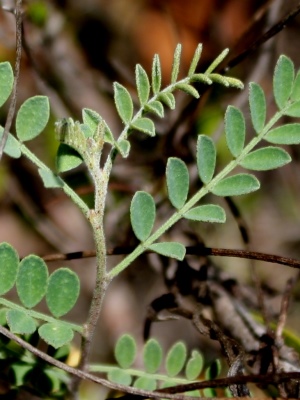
73, 51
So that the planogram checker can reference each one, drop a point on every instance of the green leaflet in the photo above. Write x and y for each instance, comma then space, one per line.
32, 280
265, 159
168, 99
49, 179
169, 249
142, 214
257, 103
217, 61
145, 125
177, 181
9, 263
176, 358
123, 102
91, 118
235, 130
32, 117
142, 84
176, 64
195, 60
236, 185
206, 158
285, 134
283, 80
21, 323
194, 366
6, 81
125, 351
295, 96
67, 158
12, 146
293, 110
62, 291
189, 89
145, 383
206, 213
152, 356
56, 334
123, 147
117, 375
156, 74
155, 107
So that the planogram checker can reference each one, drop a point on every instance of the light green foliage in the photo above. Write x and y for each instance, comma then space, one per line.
236, 185
6, 81
50, 180
12, 146
206, 213
142, 84
56, 334
283, 81
9, 262
235, 130
125, 351
152, 356
142, 214
265, 159
206, 158
156, 74
176, 359
19, 322
177, 176
169, 249
285, 134
258, 108
123, 103
145, 125
176, 64
194, 366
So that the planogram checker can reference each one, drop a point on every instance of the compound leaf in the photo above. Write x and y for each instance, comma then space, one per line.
285, 134
62, 291
6, 81
169, 249
156, 74
266, 158
21, 323
257, 102
177, 181
236, 185
144, 125
283, 80
123, 102
194, 366
168, 99
125, 351
56, 334
235, 130
9, 262
175, 359
142, 214
32, 117
176, 64
206, 158
67, 158
155, 107
152, 356
206, 213
50, 180
32, 280
142, 84
117, 375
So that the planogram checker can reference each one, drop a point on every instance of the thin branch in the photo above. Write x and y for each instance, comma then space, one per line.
12, 105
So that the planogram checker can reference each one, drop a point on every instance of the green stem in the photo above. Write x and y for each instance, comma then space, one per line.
195, 199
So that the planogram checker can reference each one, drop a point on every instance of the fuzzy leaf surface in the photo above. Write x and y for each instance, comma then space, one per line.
177, 176
285, 134
32, 280
235, 130
20, 323
9, 263
6, 81
265, 159
195, 60
124, 147
91, 118
142, 214
12, 146
258, 108
145, 383
168, 99
142, 84
194, 366
67, 158
125, 351
293, 110
123, 102
50, 180
155, 107
206, 213
145, 125
117, 375
62, 291
176, 64
56, 334
156, 74
169, 249
295, 96
189, 89
175, 359
236, 185
283, 80
32, 117
152, 356
206, 158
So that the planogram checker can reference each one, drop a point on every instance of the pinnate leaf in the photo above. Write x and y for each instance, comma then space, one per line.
236, 185
206, 213
32, 117
285, 134
67, 158
123, 102
235, 130
266, 158
177, 181
62, 291
125, 351
156, 74
6, 81
194, 366
21, 323
32, 280
56, 334
142, 84
50, 180
175, 359
155, 107
169, 249
9, 262
283, 80
257, 102
206, 158
145, 125
142, 214
152, 356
